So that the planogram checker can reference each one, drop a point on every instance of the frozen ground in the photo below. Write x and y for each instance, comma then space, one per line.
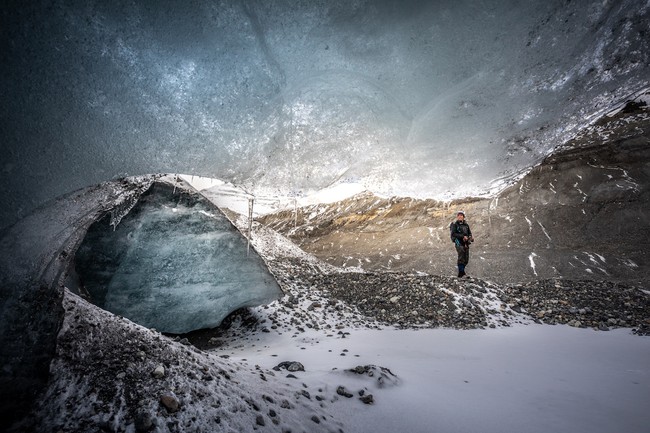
526, 378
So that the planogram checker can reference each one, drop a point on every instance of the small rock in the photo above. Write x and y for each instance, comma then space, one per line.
343, 392
260, 420
290, 366
170, 402
143, 420
367, 399
315, 419
159, 372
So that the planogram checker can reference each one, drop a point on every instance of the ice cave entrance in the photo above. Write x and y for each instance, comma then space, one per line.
174, 263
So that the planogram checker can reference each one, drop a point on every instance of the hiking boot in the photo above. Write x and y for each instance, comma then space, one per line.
461, 274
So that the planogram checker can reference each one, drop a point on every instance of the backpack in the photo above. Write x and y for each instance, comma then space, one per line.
453, 230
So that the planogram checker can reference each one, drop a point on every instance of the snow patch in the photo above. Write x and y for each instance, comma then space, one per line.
531, 258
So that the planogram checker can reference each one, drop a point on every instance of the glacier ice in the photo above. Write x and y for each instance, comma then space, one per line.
283, 96
174, 263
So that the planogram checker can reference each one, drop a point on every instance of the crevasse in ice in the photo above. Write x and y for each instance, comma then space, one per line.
174, 263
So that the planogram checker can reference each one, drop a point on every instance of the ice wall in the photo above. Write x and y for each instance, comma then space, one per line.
424, 98
174, 263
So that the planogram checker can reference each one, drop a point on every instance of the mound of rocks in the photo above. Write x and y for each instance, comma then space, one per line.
394, 298
411, 301
594, 304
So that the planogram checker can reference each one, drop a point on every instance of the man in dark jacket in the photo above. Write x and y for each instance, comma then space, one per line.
461, 236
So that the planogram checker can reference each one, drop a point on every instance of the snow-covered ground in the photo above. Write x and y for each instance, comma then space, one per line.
531, 378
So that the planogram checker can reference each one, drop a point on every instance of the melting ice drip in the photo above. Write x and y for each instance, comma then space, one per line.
174, 263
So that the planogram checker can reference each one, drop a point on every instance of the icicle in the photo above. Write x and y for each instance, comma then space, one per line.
251, 201
123, 208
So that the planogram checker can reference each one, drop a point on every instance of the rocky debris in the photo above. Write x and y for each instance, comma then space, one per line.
401, 299
204, 393
384, 376
599, 305
290, 366
404, 300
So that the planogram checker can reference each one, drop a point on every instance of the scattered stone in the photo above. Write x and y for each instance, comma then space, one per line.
290, 366
259, 420
159, 372
384, 376
143, 420
367, 399
342, 391
170, 401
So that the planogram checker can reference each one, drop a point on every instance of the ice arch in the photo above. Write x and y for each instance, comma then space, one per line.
174, 263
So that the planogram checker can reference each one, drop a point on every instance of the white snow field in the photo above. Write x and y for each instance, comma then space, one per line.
527, 378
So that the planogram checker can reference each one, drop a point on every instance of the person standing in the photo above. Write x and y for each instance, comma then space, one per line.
461, 236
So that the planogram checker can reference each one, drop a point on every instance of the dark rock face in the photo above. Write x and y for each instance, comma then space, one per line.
581, 214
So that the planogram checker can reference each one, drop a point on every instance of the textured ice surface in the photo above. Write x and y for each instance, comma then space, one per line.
174, 263
420, 98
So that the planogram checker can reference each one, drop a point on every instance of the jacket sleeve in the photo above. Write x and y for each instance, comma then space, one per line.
469, 231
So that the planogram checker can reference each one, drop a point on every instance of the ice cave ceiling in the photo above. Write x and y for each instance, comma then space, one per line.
422, 98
